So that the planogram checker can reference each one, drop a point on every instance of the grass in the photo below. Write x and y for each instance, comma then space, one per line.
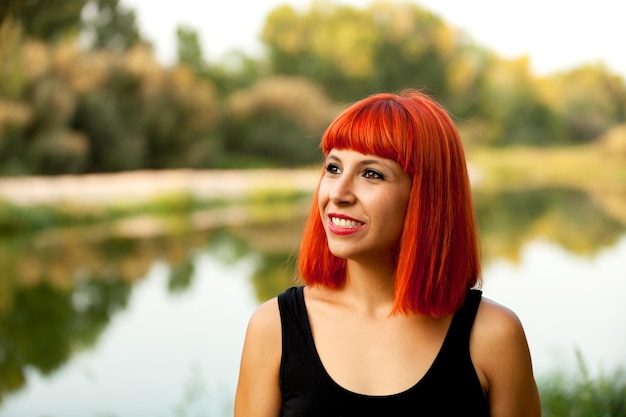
575, 166
261, 205
580, 395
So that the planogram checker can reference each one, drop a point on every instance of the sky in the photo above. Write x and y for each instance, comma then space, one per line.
556, 35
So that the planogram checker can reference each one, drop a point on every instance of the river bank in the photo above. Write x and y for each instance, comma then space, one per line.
142, 186
590, 169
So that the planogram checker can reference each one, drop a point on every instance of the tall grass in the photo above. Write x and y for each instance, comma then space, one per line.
581, 395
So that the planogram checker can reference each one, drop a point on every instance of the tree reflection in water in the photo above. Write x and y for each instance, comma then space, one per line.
569, 218
60, 290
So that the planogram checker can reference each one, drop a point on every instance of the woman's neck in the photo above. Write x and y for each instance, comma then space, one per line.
370, 287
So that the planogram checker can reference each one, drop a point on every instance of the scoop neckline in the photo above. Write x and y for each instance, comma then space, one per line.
320, 364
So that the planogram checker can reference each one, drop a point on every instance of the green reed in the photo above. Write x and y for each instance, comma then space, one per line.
582, 395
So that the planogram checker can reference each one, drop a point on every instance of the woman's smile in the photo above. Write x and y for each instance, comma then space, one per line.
343, 225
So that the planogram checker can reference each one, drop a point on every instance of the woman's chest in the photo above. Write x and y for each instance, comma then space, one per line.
377, 357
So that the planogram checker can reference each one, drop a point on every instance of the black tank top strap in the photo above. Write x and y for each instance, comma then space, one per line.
297, 342
291, 302
293, 316
462, 322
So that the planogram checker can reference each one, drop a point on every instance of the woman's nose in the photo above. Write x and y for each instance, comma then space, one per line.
342, 191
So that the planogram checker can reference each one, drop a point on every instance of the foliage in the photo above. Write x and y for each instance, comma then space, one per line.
514, 108
352, 52
11, 78
392, 45
81, 92
7, 7
114, 111
105, 23
51, 20
237, 71
589, 100
583, 396
279, 119
189, 49
110, 25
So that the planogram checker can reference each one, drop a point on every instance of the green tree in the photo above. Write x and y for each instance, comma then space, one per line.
7, 7
115, 140
190, 50
467, 74
414, 49
353, 52
107, 24
236, 71
111, 25
181, 122
278, 121
589, 100
12, 83
515, 111
50, 19
333, 47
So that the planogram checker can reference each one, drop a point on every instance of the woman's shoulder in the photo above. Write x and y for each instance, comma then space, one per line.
496, 320
497, 329
258, 388
501, 357
266, 317
498, 341
264, 334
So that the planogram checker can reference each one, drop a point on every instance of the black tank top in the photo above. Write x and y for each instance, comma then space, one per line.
449, 388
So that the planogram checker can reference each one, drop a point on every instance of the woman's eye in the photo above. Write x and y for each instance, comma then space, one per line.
370, 174
332, 169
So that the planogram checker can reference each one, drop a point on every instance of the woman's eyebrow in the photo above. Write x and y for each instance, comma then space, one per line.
361, 162
372, 161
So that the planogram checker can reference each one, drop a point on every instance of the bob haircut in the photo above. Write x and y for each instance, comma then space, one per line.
438, 255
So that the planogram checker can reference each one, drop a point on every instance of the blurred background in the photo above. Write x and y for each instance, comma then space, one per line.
157, 164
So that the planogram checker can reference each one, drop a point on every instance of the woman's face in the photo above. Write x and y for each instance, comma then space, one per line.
362, 201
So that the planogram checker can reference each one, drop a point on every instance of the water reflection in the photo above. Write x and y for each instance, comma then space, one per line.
164, 355
567, 217
153, 327
567, 303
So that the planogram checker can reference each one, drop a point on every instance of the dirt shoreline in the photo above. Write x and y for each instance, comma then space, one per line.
142, 186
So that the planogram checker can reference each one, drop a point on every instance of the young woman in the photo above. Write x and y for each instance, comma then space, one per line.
389, 321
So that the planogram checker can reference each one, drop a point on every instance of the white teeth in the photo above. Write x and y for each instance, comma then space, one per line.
345, 222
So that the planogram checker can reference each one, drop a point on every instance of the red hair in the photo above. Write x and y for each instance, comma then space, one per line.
438, 254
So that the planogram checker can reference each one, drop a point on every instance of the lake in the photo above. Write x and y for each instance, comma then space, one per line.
153, 326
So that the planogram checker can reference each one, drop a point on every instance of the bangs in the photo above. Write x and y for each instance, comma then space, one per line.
375, 126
